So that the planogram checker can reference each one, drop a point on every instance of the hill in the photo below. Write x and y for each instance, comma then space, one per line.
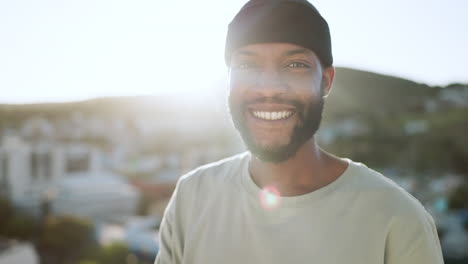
382, 120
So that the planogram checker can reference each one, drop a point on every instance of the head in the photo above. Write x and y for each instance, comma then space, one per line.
280, 69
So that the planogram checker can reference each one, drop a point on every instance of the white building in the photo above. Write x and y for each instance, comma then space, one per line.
100, 196
63, 177
456, 96
14, 252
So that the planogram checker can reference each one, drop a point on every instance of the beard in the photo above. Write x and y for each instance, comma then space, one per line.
309, 115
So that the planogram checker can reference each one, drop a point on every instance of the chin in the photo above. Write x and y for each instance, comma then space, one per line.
273, 154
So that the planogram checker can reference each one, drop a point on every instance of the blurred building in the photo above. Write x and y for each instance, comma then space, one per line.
344, 128
64, 178
14, 252
100, 196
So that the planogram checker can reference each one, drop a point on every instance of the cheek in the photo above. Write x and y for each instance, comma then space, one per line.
235, 92
237, 87
300, 79
242, 79
304, 84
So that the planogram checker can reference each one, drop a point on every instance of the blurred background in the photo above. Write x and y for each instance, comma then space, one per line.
105, 104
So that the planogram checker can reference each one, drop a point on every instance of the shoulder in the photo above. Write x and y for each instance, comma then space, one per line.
385, 195
198, 185
410, 231
407, 224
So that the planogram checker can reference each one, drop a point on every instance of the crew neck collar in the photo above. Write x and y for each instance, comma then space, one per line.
295, 201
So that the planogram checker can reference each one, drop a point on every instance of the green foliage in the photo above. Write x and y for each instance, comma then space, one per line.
459, 198
15, 224
359, 93
89, 262
385, 105
6, 211
60, 231
115, 253
60, 239
21, 226
65, 239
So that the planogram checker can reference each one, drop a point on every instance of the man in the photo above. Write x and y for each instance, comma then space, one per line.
287, 200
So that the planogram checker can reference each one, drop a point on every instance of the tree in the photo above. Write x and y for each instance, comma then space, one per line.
16, 225
65, 239
115, 253
21, 226
88, 262
459, 198
6, 211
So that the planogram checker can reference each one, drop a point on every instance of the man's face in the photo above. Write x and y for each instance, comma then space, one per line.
275, 98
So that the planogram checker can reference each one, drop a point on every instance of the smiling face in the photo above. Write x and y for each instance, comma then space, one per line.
276, 97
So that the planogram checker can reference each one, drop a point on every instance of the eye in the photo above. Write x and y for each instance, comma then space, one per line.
297, 65
244, 66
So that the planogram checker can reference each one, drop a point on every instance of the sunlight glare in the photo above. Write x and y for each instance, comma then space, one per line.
270, 198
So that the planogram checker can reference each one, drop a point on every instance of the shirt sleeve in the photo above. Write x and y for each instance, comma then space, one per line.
170, 235
413, 239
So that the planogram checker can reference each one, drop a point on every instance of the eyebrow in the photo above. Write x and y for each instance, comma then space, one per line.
297, 51
287, 53
246, 53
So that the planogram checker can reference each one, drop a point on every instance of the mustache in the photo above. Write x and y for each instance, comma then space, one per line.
276, 100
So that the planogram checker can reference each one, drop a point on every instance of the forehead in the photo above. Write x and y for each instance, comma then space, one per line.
273, 49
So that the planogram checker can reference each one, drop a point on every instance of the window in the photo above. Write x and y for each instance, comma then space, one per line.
78, 163
46, 161
34, 165
4, 173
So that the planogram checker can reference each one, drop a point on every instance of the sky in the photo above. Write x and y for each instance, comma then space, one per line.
67, 50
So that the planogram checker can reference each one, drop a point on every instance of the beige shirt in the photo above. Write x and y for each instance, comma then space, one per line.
216, 216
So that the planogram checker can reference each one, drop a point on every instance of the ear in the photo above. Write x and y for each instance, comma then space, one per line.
328, 75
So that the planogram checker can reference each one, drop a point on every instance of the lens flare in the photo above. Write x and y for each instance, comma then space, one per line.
270, 198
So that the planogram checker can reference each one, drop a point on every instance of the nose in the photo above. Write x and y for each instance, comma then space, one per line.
269, 83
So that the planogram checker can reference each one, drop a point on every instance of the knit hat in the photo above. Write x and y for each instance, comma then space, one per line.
291, 21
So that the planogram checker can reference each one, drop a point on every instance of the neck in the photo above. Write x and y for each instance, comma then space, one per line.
309, 169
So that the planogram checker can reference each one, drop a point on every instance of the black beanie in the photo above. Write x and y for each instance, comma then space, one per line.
291, 21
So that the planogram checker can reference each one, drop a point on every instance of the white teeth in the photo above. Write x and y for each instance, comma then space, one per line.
272, 115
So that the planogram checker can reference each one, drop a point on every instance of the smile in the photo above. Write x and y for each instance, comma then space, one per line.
276, 115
